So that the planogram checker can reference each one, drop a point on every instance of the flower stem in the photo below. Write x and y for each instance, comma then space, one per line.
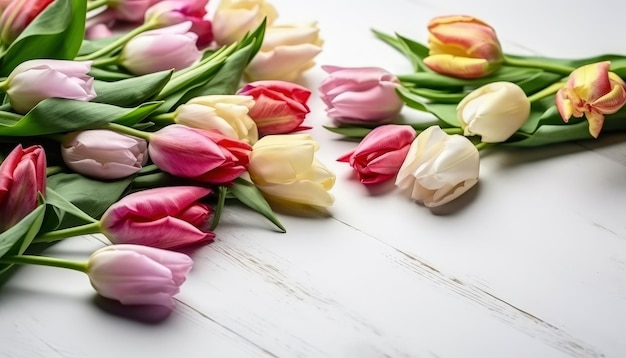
55, 169
128, 130
221, 199
105, 61
550, 67
548, 91
453, 130
482, 145
94, 4
163, 118
56, 235
121, 41
45, 261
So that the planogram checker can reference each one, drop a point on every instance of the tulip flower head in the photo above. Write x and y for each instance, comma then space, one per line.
593, 91
438, 167
137, 274
364, 95
380, 154
463, 46
104, 154
494, 111
172, 12
226, 113
206, 156
17, 15
233, 19
286, 52
129, 10
170, 47
22, 180
35, 80
285, 170
167, 218
280, 107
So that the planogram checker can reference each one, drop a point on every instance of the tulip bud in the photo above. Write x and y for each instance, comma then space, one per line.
35, 80
171, 47
168, 218
380, 153
172, 12
438, 167
280, 107
286, 52
104, 154
129, 10
22, 180
17, 15
137, 274
203, 155
593, 91
225, 113
233, 19
285, 170
365, 95
463, 46
494, 111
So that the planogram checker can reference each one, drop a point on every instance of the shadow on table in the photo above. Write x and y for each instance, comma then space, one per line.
150, 314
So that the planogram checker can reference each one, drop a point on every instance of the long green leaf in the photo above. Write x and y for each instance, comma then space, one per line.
132, 91
248, 194
17, 238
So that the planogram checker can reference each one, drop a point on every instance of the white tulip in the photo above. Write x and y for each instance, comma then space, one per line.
494, 111
438, 167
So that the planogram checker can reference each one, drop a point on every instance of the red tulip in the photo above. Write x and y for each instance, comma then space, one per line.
17, 16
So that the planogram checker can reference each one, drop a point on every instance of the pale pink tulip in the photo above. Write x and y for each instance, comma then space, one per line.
137, 274
360, 94
22, 180
203, 155
35, 80
280, 107
171, 12
380, 154
168, 218
104, 154
17, 15
171, 47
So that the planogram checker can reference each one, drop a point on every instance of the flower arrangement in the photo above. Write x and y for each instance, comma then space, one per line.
474, 96
139, 120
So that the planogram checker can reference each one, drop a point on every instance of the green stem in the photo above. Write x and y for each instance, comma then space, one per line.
221, 199
550, 67
105, 61
121, 41
94, 4
128, 130
51, 170
56, 235
548, 91
164, 118
453, 130
45, 261
482, 145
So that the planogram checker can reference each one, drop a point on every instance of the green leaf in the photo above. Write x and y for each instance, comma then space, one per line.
254, 40
439, 81
132, 91
573, 62
55, 199
443, 111
350, 131
56, 33
416, 53
438, 96
17, 238
538, 81
102, 74
56, 115
248, 194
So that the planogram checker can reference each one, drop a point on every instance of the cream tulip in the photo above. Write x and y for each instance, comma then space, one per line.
285, 170
438, 167
494, 111
233, 19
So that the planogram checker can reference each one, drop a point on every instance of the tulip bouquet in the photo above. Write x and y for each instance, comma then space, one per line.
138, 120
473, 96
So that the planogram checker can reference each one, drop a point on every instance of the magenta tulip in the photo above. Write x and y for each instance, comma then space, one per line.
22, 179
380, 154
171, 12
280, 107
167, 218
203, 155
137, 274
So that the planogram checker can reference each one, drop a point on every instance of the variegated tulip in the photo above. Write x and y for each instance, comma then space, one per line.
438, 167
462, 46
233, 19
286, 52
593, 91
494, 111
225, 113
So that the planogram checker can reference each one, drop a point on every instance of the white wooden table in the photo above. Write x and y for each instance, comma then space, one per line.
531, 264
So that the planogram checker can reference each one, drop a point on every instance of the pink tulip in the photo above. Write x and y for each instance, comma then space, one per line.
279, 106
129, 10
104, 154
22, 179
167, 218
17, 15
171, 12
360, 95
35, 80
380, 154
171, 47
137, 274
203, 155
